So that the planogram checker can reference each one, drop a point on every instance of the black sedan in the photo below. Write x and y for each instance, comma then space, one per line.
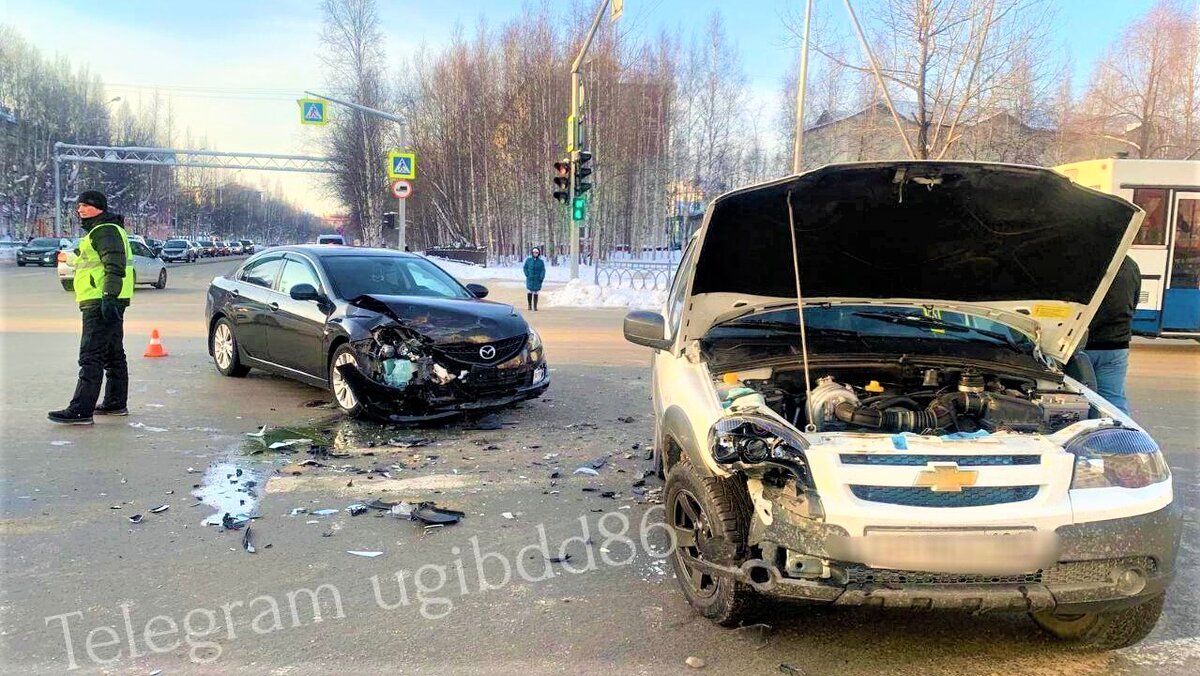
391, 334
42, 251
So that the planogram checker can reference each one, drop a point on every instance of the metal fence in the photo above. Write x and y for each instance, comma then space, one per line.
635, 275
461, 254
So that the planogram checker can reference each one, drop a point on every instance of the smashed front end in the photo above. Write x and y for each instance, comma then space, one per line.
403, 375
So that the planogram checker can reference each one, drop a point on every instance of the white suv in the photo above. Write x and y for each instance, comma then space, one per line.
913, 441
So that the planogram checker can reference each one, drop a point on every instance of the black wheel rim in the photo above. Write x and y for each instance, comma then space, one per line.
692, 530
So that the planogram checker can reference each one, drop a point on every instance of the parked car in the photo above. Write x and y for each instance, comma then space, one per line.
41, 251
235, 247
147, 268
911, 439
155, 245
248, 246
207, 247
178, 250
391, 334
330, 239
225, 249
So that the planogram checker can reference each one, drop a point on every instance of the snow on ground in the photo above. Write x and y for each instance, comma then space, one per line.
578, 293
560, 291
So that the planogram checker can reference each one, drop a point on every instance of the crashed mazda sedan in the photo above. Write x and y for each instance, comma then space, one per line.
861, 398
391, 334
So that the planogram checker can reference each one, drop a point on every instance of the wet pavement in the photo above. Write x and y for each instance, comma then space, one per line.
548, 571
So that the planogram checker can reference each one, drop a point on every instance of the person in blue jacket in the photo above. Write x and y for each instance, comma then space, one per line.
535, 274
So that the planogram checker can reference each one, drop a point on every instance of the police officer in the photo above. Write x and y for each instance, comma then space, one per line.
103, 289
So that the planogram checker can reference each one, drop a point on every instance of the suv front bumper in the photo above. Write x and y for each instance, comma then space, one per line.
1087, 576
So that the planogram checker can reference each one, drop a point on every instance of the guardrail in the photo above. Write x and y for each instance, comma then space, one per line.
635, 275
462, 255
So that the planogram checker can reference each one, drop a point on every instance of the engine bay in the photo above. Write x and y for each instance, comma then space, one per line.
891, 398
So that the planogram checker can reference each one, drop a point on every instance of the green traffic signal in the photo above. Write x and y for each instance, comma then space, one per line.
578, 208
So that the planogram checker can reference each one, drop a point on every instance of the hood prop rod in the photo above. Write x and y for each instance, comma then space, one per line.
809, 427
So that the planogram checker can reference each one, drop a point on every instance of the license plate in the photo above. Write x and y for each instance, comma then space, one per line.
979, 551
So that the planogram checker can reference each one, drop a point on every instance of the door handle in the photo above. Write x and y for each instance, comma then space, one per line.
274, 307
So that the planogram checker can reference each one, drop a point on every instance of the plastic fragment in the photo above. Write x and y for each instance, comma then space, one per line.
160, 509
324, 512
507, 515
369, 555
136, 518
259, 434
356, 509
248, 542
586, 470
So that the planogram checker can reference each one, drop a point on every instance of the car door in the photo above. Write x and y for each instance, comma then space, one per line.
664, 363
145, 269
297, 339
252, 293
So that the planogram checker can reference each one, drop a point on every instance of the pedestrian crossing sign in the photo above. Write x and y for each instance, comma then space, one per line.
401, 165
313, 111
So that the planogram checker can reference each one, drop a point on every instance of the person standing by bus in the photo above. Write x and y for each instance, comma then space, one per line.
1110, 331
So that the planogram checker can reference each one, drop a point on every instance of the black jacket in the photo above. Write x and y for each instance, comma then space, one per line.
111, 249
1112, 327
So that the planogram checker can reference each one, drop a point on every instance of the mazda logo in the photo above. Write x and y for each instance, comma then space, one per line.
487, 352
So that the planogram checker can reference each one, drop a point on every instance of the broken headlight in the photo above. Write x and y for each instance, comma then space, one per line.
754, 439
1116, 456
534, 345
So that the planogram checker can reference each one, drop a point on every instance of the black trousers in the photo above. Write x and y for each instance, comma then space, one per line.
101, 355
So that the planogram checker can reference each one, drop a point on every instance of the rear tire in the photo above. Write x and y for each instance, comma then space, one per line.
162, 279
67, 284
223, 344
20, 264
724, 510
1105, 630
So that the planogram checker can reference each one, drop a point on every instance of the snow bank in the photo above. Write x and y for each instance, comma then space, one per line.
578, 293
473, 273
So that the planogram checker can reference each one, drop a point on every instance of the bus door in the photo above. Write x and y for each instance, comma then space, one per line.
1181, 302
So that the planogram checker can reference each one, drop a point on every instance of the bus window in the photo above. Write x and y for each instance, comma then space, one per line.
1185, 264
1154, 229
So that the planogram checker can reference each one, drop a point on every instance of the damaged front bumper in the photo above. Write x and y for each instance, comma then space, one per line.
427, 402
1096, 566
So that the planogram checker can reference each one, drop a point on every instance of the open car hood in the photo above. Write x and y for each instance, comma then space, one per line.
1023, 245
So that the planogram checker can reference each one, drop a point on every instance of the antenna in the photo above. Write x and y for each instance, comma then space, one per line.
810, 427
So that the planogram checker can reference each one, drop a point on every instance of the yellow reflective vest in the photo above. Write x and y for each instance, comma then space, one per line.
89, 269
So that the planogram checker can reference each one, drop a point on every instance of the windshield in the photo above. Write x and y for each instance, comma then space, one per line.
175, 244
353, 276
866, 321
44, 242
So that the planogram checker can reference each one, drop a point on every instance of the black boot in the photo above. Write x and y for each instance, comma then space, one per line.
529, 300
535, 296
69, 417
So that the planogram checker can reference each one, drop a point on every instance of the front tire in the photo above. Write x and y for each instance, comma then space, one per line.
1104, 630
162, 279
709, 514
20, 264
342, 394
67, 284
223, 344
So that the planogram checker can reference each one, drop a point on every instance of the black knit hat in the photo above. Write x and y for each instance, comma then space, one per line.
94, 198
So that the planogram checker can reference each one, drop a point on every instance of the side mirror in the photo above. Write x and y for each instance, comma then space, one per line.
648, 329
305, 292
478, 290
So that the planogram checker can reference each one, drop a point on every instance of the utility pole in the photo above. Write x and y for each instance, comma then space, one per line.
401, 225
574, 124
801, 88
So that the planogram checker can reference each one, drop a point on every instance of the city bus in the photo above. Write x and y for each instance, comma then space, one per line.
1167, 248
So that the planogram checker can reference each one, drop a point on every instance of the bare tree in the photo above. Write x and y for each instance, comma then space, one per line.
355, 68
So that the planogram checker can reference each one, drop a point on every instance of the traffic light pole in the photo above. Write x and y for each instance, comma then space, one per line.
573, 142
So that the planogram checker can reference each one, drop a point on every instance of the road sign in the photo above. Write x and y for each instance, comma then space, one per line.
402, 189
618, 6
401, 165
313, 111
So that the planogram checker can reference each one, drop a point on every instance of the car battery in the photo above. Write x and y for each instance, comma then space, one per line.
1060, 409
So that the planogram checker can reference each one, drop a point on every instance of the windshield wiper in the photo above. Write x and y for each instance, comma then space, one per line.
935, 323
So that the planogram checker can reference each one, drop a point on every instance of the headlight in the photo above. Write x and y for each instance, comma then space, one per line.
1116, 456
534, 345
754, 439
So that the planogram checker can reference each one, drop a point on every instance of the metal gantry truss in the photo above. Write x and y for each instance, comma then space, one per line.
178, 157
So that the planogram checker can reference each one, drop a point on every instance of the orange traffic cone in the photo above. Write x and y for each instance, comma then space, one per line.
155, 349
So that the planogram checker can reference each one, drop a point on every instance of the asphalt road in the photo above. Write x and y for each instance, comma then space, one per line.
173, 594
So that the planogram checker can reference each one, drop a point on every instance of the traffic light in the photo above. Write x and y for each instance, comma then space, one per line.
581, 171
579, 208
562, 181
389, 220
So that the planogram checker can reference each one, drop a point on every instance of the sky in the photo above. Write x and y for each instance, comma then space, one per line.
233, 69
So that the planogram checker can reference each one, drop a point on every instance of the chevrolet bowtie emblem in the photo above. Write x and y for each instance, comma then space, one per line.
945, 477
